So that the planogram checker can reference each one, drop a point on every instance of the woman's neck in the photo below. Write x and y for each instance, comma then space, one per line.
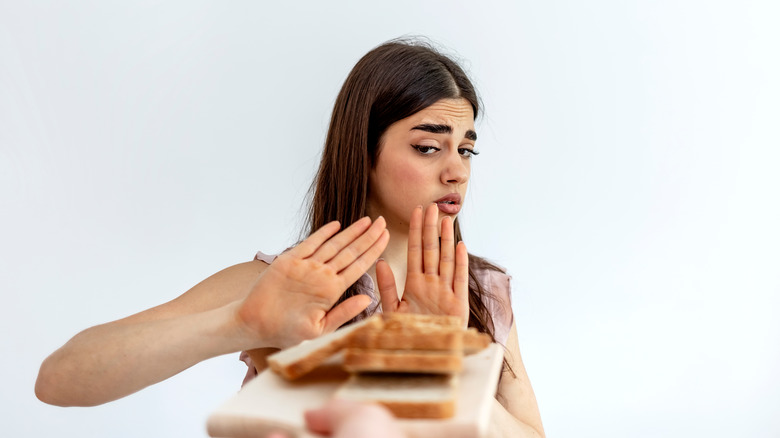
395, 255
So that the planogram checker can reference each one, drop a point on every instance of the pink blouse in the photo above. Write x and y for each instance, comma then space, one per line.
496, 283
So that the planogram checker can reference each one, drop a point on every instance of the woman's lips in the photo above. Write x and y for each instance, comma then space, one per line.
449, 204
448, 208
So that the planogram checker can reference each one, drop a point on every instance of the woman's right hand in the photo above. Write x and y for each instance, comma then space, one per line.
293, 298
246, 306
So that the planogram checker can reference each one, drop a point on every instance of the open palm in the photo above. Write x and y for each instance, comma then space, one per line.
437, 274
293, 298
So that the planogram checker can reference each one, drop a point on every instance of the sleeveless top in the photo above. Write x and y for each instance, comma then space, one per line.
497, 284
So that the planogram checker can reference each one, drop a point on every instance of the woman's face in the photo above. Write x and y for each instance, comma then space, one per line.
422, 159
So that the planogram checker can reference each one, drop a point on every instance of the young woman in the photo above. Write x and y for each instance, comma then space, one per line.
393, 175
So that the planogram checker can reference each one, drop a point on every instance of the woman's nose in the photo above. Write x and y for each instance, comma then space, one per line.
456, 169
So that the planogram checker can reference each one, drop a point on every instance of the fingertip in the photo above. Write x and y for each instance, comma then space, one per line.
380, 222
317, 420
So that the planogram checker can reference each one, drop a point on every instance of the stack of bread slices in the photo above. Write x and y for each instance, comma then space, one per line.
406, 362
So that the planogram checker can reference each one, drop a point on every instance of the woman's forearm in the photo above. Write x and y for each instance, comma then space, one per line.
113, 360
248, 306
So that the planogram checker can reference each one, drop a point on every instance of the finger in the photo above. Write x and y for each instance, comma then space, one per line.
319, 420
351, 273
388, 293
346, 256
325, 419
461, 280
332, 246
430, 239
414, 257
447, 263
350, 308
313, 242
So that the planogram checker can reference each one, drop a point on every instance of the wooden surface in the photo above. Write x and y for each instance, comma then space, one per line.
269, 403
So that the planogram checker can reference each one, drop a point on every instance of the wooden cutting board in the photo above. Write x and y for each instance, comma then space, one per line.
269, 403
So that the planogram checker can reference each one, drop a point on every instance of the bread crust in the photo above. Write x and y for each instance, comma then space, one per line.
409, 339
402, 361
405, 395
402, 320
296, 361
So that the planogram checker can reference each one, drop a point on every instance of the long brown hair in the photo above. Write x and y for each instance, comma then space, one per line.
391, 82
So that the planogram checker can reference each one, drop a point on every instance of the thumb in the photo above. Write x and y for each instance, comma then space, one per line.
386, 284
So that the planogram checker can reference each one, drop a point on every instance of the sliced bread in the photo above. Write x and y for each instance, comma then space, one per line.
405, 395
402, 361
293, 362
395, 320
409, 338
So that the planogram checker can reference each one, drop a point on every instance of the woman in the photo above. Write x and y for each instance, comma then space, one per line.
394, 172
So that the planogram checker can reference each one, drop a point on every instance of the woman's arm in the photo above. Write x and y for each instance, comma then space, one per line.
251, 305
112, 360
515, 411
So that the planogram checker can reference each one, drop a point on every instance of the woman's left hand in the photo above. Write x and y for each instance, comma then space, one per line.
437, 276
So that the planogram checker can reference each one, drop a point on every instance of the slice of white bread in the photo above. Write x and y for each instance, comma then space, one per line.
405, 395
475, 341
293, 362
409, 338
397, 320
358, 360
416, 335
427, 334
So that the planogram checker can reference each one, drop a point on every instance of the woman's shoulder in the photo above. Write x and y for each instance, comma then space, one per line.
494, 278
498, 298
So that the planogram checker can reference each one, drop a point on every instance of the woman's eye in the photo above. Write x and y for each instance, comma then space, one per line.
425, 150
467, 153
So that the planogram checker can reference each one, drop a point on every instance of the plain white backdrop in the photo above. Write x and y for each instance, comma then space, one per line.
628, 180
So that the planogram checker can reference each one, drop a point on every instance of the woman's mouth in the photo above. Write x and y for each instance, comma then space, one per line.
449, 204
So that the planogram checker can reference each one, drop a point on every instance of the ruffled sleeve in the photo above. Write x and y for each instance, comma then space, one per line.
500, 304
263, 257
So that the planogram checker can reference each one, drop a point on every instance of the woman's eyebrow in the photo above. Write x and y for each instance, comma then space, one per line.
443, 129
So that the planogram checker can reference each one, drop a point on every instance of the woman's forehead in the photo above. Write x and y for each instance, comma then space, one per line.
445, 110
457, 114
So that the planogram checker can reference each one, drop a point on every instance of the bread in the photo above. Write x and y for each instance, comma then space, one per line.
293, 362
405, 395
475, 341
406, 362
397, 320
414, 338
402, 361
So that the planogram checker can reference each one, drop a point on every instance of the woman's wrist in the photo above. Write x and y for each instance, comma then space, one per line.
242, 336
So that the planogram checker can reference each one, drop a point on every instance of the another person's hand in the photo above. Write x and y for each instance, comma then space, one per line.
343, 419
437, 275
292, 299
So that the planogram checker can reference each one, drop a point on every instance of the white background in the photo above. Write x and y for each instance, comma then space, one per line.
628, 179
